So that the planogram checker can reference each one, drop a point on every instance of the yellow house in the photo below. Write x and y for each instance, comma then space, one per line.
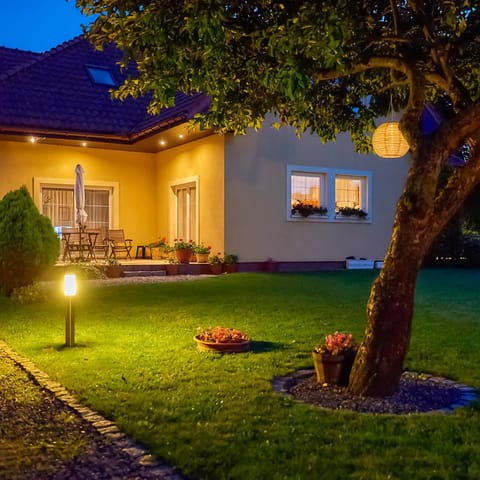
153, 176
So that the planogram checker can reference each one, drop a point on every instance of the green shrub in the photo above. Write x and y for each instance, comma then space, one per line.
29, 294
28, 243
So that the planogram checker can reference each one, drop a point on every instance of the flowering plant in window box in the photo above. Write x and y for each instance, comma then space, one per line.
307, 209
352, 211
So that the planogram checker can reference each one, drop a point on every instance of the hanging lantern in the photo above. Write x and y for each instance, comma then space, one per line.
388, 141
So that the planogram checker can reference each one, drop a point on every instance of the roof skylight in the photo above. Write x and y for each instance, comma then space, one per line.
101, 75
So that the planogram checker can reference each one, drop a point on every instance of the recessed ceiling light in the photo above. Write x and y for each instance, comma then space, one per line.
84, 144
33, 139
181, 136
163, 143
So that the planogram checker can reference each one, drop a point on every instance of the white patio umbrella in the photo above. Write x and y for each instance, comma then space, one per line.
81, 214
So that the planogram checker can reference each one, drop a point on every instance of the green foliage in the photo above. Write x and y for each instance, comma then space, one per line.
313, 62
217, 416
29, 294
28, 243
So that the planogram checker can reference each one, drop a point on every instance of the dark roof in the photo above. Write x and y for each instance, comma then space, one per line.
52, 93
11, 58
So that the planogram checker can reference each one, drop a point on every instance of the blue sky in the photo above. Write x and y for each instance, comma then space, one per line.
39, 25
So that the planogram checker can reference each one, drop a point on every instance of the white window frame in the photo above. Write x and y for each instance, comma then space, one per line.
322, 174
328, 194
51, 182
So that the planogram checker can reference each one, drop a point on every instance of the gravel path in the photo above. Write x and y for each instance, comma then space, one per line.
46, 435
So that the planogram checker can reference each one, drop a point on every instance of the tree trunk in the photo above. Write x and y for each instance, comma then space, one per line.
379, 361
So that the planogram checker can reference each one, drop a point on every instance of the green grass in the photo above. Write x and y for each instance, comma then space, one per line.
216, 417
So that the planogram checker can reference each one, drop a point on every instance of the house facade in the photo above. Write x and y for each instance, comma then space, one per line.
153, 176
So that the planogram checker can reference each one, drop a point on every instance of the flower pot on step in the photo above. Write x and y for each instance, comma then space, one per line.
172, 269
230, 267
202, 257
183, 255
216, 268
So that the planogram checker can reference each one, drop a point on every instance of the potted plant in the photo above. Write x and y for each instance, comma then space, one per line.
352, 211
216, 263
222, 339
183, 250
202, 252
230, 263
158, 248
172, 267
307, 209
113, 268
334, 358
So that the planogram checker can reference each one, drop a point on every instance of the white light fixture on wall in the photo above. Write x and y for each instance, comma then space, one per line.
388, 141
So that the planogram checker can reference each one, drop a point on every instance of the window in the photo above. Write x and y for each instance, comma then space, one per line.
101, 75
186, 207
307, 190
350, 191
58, 206
324, 194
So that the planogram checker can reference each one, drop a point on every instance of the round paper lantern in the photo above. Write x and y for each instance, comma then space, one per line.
388, 141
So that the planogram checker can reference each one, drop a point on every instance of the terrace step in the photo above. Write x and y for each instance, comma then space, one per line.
144, 273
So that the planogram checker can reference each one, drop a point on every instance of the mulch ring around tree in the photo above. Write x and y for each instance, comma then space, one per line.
417, 393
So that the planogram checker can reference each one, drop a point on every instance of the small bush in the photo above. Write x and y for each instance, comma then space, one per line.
33, 293
28, 243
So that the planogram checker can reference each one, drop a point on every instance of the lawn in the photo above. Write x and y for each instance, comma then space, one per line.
217, 417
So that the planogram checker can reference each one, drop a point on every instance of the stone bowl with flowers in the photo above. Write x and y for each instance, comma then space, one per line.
222, 340
333, 359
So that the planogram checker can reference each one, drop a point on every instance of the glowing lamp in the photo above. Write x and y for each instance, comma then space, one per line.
69, 285
388, 141
69, 290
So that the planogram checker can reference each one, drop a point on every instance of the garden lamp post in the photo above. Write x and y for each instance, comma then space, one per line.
69, 290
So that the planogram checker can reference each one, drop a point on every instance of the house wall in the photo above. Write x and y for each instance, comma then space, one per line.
132, 173
201, 161
256, 225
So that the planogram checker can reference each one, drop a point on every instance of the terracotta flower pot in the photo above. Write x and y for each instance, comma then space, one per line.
333, 369
236, 347
216, 268
183, 255
230, 267
114, 271
172, 269
202, 257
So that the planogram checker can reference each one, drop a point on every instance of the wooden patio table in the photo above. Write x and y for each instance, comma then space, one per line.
81, 242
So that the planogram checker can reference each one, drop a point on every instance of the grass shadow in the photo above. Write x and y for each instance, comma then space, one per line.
259, 346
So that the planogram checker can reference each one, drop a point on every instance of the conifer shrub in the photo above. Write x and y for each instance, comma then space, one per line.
28, 243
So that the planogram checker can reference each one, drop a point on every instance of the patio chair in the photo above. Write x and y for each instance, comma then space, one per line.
118, 243
100, 245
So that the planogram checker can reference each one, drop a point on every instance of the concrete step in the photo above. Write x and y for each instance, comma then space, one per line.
145, 273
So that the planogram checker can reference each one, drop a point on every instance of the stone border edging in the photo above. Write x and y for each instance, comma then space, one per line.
104, 427
468, 394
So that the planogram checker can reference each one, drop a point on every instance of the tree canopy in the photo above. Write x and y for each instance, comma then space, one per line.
324, 66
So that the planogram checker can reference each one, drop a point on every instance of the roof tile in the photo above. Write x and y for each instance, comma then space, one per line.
53, 92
